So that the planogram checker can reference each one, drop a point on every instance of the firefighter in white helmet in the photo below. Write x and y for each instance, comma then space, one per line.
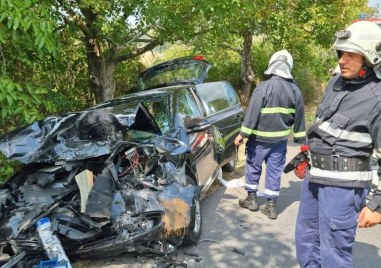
346, 132
275, 111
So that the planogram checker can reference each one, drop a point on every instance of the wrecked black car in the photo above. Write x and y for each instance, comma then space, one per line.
126, 175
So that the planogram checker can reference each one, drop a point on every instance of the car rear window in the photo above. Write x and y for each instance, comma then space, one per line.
174, 72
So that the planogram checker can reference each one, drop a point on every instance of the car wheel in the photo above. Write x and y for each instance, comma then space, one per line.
230, 166
196, 224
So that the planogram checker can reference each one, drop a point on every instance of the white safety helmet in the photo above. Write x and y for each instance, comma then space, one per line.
364, 38
281, 64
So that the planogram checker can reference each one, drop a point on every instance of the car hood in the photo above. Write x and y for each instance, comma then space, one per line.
82, 135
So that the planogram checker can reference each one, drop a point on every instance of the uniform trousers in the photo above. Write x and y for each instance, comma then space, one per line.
274, 155
326, 224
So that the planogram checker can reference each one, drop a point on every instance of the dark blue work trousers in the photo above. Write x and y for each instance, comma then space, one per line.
274, 155
326, 224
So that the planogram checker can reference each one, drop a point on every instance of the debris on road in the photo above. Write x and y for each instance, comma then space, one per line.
236, 250
210, 240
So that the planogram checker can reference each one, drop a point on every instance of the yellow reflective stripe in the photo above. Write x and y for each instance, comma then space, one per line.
274, 133
278, 110
299, 134
234, 132
246, 130
267, 134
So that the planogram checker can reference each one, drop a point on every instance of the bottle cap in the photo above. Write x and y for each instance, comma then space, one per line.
42, 221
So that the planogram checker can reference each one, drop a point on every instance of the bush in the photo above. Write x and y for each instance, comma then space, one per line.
310, 86
7, 168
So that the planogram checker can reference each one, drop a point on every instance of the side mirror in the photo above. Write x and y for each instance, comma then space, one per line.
197, 125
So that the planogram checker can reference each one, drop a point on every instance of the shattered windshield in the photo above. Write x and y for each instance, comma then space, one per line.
157, 106
90, 133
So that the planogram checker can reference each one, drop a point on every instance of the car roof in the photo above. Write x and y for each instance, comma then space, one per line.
180, 71
147, 94
375, 20
152, 92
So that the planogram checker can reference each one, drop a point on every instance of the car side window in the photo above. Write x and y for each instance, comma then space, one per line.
217, 96
159, 111
187, 106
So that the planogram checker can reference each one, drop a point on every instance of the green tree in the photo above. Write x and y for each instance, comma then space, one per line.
295, 25
117, 31
27, 42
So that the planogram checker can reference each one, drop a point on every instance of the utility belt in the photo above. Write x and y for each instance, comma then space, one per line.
340, 163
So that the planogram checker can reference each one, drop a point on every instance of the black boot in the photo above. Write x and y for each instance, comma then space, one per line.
250, 202
269, 209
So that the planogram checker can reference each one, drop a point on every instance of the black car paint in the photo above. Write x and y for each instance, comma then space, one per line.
226, 122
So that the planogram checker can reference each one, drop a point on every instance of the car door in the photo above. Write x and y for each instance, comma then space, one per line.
203, 154
223, 110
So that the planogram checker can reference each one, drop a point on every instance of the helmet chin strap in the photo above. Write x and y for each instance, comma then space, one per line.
361, 76
362, 73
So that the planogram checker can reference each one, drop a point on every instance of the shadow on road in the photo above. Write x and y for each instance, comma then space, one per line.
236, 237
366, 255
288, 195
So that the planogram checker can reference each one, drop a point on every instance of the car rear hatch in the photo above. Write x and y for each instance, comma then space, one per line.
180, 71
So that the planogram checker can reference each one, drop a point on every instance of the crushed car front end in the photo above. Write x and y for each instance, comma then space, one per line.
106, 190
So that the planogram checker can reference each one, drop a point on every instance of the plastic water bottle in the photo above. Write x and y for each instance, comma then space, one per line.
51, 243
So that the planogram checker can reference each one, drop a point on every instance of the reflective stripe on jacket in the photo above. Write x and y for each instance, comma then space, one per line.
276, 110
348, 124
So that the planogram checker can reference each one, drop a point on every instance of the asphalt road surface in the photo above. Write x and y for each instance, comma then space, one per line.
236, 237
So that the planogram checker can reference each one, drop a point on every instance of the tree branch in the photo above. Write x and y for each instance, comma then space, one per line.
131, 55
136, 36
238, 50
72, 16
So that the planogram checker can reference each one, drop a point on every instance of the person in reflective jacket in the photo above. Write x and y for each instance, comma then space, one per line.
345, 134
276, 109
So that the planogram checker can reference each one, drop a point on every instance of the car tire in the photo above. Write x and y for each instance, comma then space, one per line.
230, 166
195, 226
